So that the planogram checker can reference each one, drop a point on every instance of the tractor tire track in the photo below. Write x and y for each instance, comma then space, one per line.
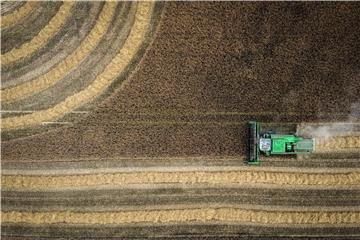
183, 231
112, 200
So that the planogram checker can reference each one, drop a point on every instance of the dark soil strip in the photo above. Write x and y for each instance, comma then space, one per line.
206, 237
94, 163
344, 160
177, 231
139, 198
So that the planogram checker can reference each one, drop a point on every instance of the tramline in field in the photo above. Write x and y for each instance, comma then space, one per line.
270, 143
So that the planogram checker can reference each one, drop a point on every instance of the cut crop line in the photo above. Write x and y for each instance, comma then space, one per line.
17, 15
38, 41
345, 180
187, 215
101, 82
55, 74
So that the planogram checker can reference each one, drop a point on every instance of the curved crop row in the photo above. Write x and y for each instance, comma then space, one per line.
40, 40
101, 82
90, 42
17, 15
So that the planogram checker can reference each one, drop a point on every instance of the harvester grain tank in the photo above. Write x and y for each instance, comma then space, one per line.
270, 143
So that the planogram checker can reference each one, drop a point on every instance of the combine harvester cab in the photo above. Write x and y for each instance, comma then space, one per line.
269, 143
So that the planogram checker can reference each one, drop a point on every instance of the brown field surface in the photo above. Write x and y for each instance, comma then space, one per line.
129, 119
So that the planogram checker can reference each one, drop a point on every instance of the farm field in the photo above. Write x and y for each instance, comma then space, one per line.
129, 119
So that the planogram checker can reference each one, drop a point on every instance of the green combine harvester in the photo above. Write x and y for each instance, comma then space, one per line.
270, 143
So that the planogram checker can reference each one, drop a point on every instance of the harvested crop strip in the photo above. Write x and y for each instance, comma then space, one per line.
43, 37
280, 178
17, 15
198, 215
88, 45
337, 143
102, 81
